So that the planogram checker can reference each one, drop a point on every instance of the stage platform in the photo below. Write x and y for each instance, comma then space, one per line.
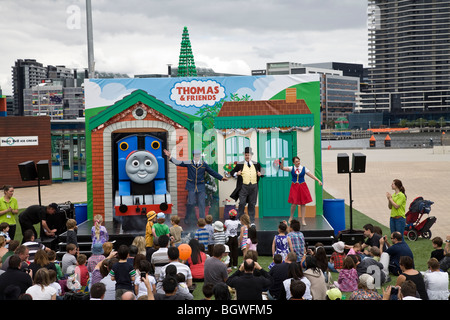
317, 229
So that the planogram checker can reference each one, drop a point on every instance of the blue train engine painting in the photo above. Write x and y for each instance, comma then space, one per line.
141, 184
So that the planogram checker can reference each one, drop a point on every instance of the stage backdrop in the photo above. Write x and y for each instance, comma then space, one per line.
203, 98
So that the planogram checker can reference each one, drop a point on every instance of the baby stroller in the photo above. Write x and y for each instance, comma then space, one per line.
414, 226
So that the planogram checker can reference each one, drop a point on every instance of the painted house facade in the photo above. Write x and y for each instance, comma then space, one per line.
273, 129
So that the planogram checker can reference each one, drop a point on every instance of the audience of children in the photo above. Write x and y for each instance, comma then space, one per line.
306, 279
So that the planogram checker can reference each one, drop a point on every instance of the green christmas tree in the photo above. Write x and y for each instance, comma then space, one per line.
186, 64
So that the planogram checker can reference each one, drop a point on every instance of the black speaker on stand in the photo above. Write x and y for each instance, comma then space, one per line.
30, 171
351, 236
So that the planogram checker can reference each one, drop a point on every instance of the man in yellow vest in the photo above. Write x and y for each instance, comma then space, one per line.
247, 173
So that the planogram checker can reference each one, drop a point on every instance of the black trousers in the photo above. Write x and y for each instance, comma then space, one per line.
248, 195
234, 250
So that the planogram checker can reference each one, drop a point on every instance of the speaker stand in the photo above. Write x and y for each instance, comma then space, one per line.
39, 191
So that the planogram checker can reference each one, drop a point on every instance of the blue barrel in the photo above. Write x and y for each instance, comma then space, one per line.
334, 212
80, 212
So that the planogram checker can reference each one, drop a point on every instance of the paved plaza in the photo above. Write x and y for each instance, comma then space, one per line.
422, 171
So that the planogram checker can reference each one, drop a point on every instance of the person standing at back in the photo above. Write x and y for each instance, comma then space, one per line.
9, 209
397, 205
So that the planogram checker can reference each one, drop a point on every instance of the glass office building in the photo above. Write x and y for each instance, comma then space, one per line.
68, 150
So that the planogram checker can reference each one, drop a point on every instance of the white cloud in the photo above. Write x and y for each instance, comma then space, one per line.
136, 37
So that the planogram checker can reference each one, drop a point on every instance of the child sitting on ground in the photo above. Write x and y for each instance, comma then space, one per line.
81, 271
337, 257
348, 276
4, 231
69, 260
438, 251
52, 259
355, 250
182, 286
55, 284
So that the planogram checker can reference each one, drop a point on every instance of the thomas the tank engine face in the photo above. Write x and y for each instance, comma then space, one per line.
141, 167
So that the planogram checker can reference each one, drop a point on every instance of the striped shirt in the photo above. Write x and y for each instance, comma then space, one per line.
181, 268
298, 243
220, 238
202, 235
33, 247
159, 259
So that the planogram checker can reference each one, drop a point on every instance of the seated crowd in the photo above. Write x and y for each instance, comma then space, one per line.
139, 271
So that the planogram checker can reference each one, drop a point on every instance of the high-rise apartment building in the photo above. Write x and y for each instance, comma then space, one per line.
409, 59
25, 74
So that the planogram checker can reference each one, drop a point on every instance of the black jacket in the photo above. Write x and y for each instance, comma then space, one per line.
248, 286
239, 166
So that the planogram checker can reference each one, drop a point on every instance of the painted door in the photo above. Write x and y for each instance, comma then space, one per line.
274, 186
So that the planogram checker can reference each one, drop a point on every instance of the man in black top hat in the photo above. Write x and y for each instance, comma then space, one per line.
247, 173
38, 214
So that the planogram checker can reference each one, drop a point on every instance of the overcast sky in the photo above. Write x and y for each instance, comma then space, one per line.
136, 37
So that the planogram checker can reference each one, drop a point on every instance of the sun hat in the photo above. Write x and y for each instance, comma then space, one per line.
151, 215
97, 248
232, 213
161, 215
218, 225
339, 246
367, 280
334, 294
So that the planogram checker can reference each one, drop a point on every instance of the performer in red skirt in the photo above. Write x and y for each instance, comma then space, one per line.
299, 194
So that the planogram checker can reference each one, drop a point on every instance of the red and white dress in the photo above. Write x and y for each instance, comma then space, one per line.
299, 193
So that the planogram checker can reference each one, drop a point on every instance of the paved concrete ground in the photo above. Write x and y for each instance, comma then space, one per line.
422, 172
56, 192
